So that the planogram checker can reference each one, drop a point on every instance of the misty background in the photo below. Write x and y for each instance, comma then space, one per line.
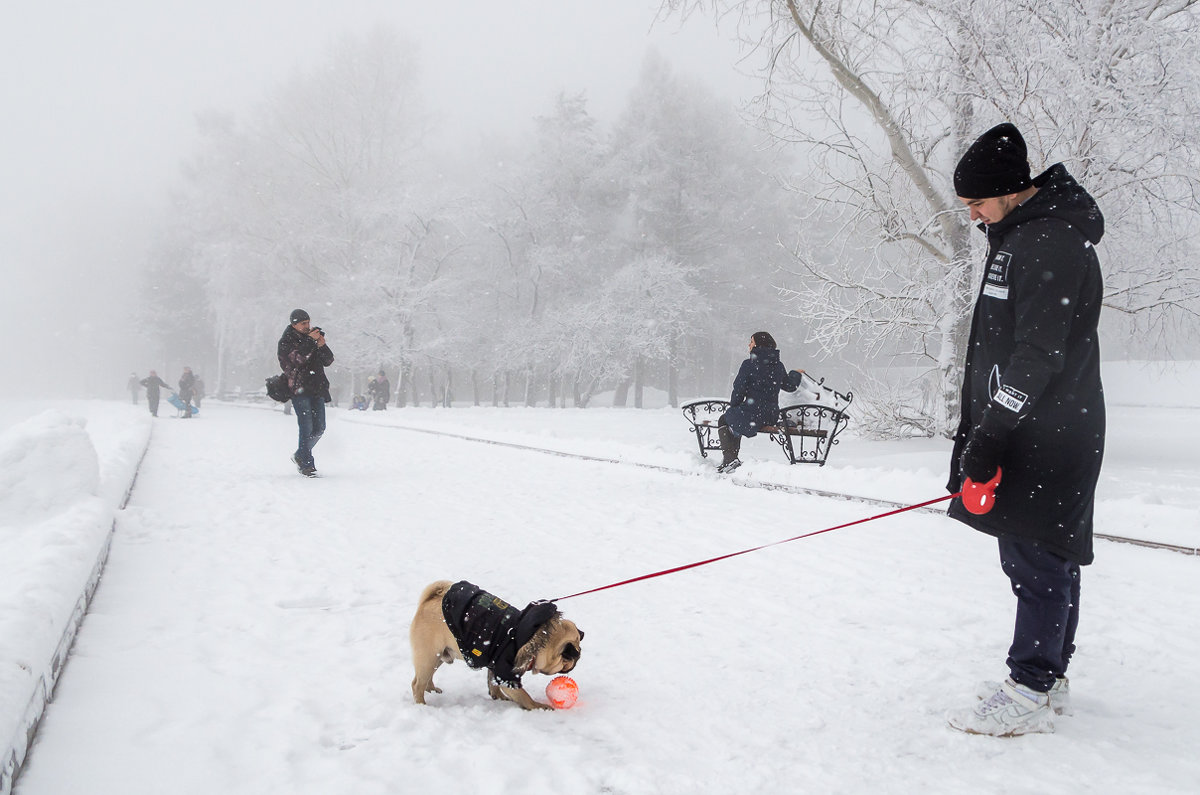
538, 203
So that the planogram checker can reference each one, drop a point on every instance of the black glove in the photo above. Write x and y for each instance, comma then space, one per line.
981, 456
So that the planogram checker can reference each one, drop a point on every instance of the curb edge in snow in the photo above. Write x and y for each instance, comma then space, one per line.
742, 481
17, 748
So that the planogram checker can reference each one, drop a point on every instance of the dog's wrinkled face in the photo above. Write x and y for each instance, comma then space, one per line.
555, 649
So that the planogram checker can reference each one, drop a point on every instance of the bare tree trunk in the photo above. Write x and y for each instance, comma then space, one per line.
621, 395
402, 378
220, 362
673, 377
530, 398
639, 375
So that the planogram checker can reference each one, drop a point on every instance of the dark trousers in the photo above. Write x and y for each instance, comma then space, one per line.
1047, 590
152, 402
310, 417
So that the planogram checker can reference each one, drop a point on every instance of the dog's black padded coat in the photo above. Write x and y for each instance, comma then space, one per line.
490, 631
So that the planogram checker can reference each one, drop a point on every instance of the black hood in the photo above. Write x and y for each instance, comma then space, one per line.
765, 354
1059, 196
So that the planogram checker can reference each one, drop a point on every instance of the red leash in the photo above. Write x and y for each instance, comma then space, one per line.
764, 546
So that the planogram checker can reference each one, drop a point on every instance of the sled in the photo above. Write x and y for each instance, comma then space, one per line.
806, 432
175, 401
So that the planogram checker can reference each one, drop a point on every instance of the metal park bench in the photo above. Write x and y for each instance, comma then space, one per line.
806, 431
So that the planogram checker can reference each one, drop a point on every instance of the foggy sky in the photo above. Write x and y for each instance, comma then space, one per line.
99, 101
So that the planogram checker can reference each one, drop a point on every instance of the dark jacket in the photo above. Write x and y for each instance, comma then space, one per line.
153, 384
489, 631
304, 363
755, 399
187, 386
1033, 369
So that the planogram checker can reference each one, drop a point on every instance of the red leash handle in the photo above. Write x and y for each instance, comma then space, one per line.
978, 498
764, 546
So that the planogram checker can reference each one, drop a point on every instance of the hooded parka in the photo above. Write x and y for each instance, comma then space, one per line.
754, 401
1032, 375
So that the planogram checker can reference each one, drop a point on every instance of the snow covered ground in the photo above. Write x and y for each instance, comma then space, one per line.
250, 631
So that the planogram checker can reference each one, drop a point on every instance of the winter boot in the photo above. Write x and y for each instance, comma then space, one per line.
1060, 695
1010, 711
731, 445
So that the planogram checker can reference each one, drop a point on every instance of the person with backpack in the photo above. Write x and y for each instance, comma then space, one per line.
303, 356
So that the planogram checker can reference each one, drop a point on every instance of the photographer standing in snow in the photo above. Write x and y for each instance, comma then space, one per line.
303, 356
1032, 407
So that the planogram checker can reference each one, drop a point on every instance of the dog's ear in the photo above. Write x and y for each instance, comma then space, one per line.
581, 635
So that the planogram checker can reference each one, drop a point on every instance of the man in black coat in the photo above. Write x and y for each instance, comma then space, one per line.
303, 356
1032, 407
153, 383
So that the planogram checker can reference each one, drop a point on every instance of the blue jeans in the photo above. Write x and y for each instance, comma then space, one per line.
1047, 591
310, 416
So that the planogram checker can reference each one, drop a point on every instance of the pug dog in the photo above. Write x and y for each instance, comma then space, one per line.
462, 621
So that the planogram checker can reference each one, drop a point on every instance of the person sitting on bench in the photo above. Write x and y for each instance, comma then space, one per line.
754, 403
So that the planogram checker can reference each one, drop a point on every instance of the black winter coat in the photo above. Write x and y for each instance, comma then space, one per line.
304, 363
153, 384
489, 631
187, 386
1033, 369
755, 398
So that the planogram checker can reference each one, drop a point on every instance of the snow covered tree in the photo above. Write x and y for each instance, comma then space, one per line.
699, 196
884, 96
310, 197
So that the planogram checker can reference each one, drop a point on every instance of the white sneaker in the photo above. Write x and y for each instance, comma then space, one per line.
1060, 695
1010, 711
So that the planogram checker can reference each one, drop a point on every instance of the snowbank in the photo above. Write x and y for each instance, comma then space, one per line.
1143, 383
57, 500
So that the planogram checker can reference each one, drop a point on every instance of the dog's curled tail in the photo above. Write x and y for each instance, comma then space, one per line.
434, 591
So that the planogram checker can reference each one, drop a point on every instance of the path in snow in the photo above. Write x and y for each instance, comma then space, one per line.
250, 635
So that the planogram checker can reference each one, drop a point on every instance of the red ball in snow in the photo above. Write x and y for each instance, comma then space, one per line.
562, 692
